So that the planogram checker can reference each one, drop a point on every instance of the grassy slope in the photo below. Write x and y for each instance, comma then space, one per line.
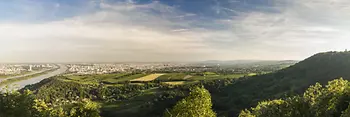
194, 77
106, 78
214, 77
172, 76
150, 77
321, 68
222, 102
124, 78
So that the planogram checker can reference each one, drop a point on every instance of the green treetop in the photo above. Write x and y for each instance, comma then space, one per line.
197, 104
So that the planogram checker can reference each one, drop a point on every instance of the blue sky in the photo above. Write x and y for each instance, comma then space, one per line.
170, 30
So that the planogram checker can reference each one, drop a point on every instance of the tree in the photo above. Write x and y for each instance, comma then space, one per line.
197, 104
17, 104
85, 108
246, 113
317, 101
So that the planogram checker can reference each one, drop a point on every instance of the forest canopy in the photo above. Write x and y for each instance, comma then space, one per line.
331, 100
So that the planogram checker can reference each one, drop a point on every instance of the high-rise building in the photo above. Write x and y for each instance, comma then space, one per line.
30, 68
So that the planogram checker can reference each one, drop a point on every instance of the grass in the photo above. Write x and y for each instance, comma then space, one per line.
150, 77
213, 77
175, 82
124, 78
173, 76
106, 78
9, 81
94, 78
193, 77
252, 74
209, 73
168, 78
12, 75
5, 76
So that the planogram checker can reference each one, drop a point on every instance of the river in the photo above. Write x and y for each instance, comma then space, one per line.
23, 83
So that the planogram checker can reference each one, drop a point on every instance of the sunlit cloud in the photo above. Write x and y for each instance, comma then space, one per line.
156, 31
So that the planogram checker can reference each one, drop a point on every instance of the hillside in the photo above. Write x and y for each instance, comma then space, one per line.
330, 100
293, 80
229, 96
247, 63
148, 99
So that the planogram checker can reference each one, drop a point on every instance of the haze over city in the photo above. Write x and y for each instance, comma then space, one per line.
170, 30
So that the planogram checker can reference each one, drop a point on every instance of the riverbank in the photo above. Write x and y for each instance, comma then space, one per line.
35, 79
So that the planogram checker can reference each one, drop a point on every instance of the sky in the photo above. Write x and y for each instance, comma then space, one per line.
170, 30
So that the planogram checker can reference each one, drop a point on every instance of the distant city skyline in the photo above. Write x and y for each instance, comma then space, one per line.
132, 62
61, 31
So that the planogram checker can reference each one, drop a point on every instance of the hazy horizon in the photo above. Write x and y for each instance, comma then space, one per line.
99, 62
61, 31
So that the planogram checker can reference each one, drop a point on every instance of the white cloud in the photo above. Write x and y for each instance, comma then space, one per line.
301, 28
108, 35
158, 32
180, 30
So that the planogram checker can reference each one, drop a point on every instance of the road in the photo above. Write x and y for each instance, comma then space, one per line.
23, 83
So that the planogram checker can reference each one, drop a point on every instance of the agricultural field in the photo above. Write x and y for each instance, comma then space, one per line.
214, 77
150, 77
199, 76
173, 77
175, 83
167, 78
105, 78
124, 78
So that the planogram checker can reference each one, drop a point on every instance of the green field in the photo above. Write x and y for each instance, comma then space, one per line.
9, 81
12, 75
124, 78
105, 78
172, 76
175, 82
3, 76
147, 78
196, 76
204, 76
120, 78
214, 77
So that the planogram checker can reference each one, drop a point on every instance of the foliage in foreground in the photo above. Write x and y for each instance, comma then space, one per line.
331, 100
197, 104
16, 104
